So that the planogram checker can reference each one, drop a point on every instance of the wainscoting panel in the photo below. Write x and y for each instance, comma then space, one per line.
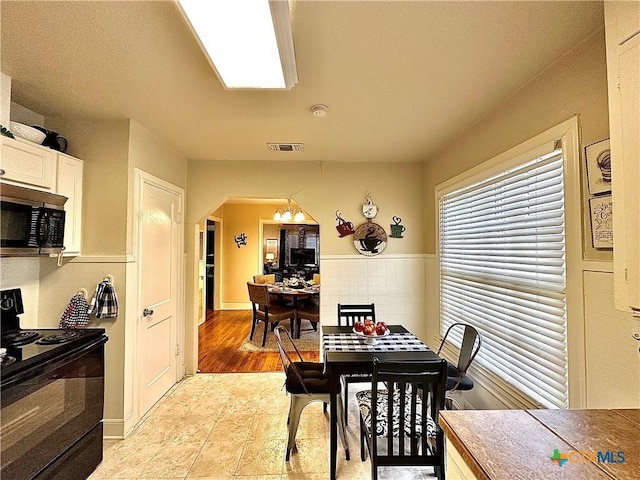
613, 360
395, 283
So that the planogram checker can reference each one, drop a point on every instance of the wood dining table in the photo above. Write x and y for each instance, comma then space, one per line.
347, 353
294, 294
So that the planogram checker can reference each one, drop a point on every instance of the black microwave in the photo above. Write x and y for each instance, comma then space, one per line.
31, 221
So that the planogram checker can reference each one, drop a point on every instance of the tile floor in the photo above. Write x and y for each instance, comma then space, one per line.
234, 426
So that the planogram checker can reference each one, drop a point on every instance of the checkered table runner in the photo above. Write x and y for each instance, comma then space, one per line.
394, 342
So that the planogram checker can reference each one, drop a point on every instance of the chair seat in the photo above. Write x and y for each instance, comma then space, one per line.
313, 377
364, 403
466, 383
276, 313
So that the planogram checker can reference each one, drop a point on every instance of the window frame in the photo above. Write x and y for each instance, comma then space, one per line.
568, 133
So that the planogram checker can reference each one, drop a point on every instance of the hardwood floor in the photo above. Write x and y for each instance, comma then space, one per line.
219, 338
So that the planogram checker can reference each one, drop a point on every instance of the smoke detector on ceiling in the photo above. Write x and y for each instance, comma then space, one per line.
285, 147
319, 110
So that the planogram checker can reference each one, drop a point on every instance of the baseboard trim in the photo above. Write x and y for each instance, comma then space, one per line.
113, 428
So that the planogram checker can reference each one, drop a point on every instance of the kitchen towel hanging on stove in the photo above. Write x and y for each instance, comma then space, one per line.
104, 303
76, 315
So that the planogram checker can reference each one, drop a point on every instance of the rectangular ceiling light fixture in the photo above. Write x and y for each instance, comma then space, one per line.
248, 42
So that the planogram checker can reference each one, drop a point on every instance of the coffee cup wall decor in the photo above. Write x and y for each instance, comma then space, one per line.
344, 227
397, 229
370, 239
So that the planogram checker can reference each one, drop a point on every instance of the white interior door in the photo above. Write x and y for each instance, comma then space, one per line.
159, 246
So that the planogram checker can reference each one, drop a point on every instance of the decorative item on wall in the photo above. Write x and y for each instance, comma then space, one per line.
241, 240
344, 227
369, 209
370, 239
397, 229
601, 221
598, 158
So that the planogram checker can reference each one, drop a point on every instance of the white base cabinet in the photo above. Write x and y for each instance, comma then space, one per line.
622, 21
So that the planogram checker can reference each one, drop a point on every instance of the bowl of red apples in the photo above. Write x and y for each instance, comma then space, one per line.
370, 330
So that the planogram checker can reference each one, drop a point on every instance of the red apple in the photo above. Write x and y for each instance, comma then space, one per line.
381, 323
381, 329
358, 326
369, 330
368, 321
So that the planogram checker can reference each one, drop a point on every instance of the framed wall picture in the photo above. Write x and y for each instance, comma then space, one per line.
601, 212
598, 158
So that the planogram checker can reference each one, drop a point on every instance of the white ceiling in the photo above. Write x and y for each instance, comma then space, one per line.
401, 79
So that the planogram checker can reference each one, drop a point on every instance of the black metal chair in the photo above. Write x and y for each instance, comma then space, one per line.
265, 311
347, 316
399, 415
457, 379
306, 382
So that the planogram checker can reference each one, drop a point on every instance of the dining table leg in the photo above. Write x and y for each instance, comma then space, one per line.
333, 422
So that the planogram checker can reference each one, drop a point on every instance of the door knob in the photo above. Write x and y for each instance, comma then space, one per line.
636, 336
147, 312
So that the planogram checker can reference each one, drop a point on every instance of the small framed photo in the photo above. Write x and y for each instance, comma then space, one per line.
272, 246
598, 158
601, 212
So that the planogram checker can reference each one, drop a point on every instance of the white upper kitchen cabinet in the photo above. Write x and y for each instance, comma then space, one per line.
28, 164
69, 184
622, 21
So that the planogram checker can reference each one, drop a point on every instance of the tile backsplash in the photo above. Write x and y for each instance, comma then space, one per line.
395, 283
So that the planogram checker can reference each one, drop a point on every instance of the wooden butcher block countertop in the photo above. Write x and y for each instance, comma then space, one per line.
519, 444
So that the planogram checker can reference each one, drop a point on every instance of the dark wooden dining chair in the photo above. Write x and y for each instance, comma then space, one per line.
458, 380
347, 316
306, 382
265, 311
399, 415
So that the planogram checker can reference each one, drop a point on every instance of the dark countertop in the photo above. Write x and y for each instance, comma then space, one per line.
518, 444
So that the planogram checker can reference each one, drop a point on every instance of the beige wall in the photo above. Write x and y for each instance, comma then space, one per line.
103, 145
111, 150
576, 84
320, 189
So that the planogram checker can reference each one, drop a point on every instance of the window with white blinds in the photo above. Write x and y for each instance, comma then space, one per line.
502, 270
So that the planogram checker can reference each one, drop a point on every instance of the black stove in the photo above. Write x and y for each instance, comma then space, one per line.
52, 384
30, 347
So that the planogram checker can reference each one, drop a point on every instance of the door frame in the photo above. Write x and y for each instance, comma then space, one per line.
142, 178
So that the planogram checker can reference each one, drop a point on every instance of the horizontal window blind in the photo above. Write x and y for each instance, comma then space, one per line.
502, 270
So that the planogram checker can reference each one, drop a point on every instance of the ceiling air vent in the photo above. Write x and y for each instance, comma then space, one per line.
285, 147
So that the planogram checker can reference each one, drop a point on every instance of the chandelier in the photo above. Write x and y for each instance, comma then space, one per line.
289, 214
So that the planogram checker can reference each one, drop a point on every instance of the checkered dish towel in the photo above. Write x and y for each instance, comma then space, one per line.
104, 303
76, 315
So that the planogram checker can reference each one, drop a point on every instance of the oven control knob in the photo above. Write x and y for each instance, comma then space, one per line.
147, 312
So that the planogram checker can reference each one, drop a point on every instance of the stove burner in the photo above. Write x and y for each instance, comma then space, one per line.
7, 361
61, 337
19, 338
